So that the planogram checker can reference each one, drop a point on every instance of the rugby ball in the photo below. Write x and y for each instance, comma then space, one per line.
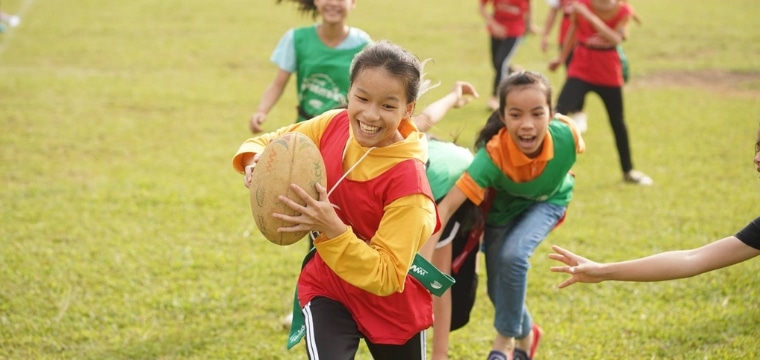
292, 158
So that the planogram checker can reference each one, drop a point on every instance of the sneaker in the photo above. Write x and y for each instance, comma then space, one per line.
498, 355
14, 20
638, 178
287, 320
581, 121
537, 333
520, 354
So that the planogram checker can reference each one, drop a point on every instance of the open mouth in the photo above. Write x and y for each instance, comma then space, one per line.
368, 129
526, 140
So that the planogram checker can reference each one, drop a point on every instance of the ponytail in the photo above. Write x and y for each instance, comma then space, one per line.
492, 127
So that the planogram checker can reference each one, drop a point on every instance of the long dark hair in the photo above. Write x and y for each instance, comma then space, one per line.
516, 80
305, 6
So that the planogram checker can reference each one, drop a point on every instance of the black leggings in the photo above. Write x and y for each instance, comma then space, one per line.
571, 100
332, 334
502, 52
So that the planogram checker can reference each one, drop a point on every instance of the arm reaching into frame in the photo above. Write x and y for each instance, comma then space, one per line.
670, 265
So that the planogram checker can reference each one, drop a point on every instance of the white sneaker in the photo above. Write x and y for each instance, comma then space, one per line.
287, 320
14, 20
638, 178
581, 121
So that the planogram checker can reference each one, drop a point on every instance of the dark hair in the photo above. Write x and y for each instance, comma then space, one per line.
395, 60
515, 80
305, 6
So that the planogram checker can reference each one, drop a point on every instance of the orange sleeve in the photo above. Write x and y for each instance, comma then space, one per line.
471, 189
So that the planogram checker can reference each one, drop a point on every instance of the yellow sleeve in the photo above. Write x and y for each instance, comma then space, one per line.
313, 128
380, 267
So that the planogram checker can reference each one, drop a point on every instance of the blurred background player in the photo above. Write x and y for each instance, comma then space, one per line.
562, 7
597, 28
507, 22
320, 55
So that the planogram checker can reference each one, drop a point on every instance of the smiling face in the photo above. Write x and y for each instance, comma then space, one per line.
334, 11
377, 101
526, 116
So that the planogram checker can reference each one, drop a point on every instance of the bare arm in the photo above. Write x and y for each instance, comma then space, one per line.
460, 95
568, 43
496, 29
669, 265
530, 27
271, 95
483, 10
550, 19
446, 208
610, 35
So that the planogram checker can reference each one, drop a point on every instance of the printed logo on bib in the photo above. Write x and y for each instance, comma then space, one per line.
321, 94
418, 270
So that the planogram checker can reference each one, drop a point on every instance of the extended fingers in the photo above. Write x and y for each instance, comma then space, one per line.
322, 192
302, 194
306, 197
567, 282
563, 269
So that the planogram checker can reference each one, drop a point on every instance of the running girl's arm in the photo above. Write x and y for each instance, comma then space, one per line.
271, 95
548, 24
496, 29
381, 266
568, 43
613, 36
659, 267
446, 208
530, 27
247, 155
460, 95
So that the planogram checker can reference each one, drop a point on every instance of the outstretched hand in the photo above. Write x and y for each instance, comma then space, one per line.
464, 93
316, 215
580, 268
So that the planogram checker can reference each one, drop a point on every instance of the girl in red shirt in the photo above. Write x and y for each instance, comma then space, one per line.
597, 27
372, 218
507, 23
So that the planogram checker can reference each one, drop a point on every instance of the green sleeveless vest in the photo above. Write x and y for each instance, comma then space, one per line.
322, 73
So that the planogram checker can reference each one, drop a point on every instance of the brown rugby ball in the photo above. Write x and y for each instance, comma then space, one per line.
292, 158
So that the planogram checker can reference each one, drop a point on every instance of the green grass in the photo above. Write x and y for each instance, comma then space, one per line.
125, 234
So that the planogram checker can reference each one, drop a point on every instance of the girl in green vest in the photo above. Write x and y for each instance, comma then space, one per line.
320, 55
524, 156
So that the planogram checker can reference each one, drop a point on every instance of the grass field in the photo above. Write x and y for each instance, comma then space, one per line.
125, 233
